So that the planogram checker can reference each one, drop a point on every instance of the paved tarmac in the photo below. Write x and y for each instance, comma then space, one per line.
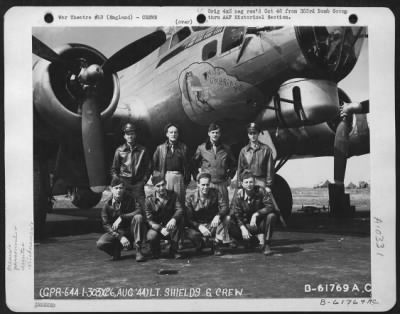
316, 256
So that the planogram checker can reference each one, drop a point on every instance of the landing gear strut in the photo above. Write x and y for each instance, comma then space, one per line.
339, 202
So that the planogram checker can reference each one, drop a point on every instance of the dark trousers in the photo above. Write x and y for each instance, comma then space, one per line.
195, 236
264, 226
136, 233
136, 190
174, 236
218, 234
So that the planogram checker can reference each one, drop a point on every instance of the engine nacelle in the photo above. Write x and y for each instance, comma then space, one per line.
300, 102
56, 96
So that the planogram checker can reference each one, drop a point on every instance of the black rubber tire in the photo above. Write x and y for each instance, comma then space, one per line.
85, 198
283, 196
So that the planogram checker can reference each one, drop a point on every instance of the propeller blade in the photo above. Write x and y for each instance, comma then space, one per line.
134, 52
43, 51
341, 150
92, 138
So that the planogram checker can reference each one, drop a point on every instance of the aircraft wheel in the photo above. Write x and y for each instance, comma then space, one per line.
85, 197
41, 187
283, 196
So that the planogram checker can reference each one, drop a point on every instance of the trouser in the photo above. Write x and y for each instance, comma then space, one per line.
218, 234
174, 236
176, 183
136, 233
136, 190
264, 225
222, 187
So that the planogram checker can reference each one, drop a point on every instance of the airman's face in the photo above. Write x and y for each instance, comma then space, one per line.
172, 134
253, 136
118, 191
161, 188
248, 184
214, 135
130, 137
204, 185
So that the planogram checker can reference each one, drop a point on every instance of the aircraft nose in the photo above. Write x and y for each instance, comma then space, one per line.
333, 49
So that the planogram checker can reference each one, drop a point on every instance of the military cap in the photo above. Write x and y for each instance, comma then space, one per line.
129, 127
253, 127
213, 126
117, 181
155, 179
202, 175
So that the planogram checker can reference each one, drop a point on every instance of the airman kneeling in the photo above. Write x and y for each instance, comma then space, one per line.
253, 215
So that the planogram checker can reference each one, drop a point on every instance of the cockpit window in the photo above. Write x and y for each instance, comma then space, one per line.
233, 37
209, 50
164, 47
179, 36
334, 49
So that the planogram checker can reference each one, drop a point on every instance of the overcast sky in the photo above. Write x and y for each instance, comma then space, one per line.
301, 172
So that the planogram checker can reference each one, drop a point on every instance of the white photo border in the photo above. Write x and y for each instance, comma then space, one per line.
19, 154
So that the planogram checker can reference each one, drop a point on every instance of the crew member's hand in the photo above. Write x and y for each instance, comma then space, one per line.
164, 232
215, 221
245, 233
204, 231
268, 189
116, 223
253, 221
171, 224
125, 242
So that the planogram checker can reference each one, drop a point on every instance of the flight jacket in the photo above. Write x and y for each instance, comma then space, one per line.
243, 209
260, 162
158, 213
160, 156
135, 164
221, 165
129, 208
199, 213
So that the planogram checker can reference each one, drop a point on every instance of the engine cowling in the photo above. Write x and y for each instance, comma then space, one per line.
56, 96
301, 102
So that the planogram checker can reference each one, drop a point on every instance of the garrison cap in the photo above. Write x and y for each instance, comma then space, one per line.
253, 127
129, 127
202, 175
213, 126
117, 181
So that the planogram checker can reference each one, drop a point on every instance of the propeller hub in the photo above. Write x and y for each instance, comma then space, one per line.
91, 75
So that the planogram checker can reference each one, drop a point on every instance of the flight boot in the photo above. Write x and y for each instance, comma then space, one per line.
139, 255
173, 251
155, 249
116, 254
216, 248
267, 249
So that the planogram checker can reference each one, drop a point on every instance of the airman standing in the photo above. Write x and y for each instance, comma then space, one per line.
132, 164
257, 158
217, 159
